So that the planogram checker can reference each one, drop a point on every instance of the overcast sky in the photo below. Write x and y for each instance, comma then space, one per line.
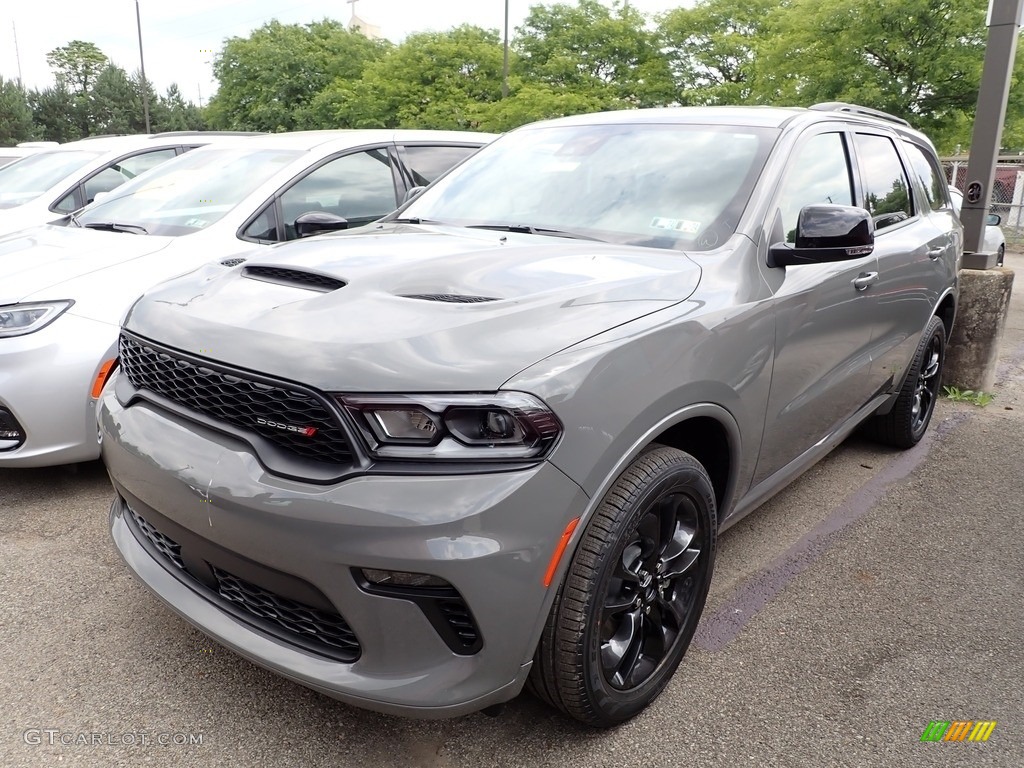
179, 35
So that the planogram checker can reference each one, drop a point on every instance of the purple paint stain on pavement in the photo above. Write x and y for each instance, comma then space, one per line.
718, 629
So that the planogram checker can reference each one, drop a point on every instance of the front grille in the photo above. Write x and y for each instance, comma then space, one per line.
294, 277
165, 545
290, 615
311, 628
293, 420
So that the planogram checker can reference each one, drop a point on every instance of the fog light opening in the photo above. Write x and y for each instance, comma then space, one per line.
403, 579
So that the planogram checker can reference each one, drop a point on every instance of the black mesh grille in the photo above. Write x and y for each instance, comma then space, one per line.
451, 298
164, 544
294, 277
294, 617
457, 614
293, 420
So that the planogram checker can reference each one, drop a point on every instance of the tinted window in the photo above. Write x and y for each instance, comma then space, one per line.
819, 172
923, 164
358, 187
658, 185
427, 163
885, 183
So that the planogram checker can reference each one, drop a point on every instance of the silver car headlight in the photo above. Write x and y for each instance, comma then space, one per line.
20, 319
501, 426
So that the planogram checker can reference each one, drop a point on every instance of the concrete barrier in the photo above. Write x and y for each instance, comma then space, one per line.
973, 350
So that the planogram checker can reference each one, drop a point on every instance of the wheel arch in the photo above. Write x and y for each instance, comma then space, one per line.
945, 310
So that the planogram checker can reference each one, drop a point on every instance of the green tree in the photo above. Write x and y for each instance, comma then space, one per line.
535, 101
181, 115
116, 106
919, 59
440, 80
77, 65
268, 80
55, 114
15, 113
603, 53
711, 49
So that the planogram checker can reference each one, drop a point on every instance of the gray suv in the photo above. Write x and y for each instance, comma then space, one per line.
490, 441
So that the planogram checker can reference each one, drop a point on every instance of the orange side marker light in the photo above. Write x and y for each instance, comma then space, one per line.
101, 378
556, 557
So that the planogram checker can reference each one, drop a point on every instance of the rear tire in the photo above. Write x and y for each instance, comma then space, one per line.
629, 604
906, 423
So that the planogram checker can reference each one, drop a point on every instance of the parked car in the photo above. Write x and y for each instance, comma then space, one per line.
55, 181
490, 441
995, 240
9, 154
64, 289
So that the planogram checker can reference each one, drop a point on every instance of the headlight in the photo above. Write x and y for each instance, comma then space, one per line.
19, 319
503, 426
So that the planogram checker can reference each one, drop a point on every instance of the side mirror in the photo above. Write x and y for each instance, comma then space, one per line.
413, 191
993, 220
317, 222
826, 233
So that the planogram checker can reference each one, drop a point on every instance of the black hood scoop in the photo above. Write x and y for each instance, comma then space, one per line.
450, 298
311, 281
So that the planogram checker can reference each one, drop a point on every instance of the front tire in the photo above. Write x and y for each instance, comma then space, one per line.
627, 609
906, 423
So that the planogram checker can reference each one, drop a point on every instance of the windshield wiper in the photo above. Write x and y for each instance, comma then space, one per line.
113, 226
412, 220
526, 229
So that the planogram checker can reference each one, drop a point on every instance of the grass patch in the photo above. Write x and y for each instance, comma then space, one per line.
957, 395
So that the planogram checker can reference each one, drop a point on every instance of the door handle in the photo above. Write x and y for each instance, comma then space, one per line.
934, 253
864, 279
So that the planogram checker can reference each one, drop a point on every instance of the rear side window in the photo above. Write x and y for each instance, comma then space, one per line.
923, 164
885, 182
427, 163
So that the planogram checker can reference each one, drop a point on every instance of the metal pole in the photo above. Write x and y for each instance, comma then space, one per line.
17, 53
504, 66
142, 68
1004, 21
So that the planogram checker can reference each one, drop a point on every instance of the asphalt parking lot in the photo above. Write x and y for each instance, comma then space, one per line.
880, 592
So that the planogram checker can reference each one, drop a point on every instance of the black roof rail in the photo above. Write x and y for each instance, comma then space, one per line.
105, 136
856, 109
164, 134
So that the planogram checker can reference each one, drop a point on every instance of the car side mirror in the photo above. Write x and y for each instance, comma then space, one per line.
993, 220
413, 191
826, 233
317, 222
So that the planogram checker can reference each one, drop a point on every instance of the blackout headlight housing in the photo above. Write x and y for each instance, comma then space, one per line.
503, 426
22, 319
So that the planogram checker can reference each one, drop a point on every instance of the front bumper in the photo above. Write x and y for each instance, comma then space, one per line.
490, 535
45, 384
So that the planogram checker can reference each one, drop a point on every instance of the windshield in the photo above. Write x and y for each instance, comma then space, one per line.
657, 185
189, 193
28, 178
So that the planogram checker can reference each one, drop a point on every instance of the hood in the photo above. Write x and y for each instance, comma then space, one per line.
35, 263
411, 309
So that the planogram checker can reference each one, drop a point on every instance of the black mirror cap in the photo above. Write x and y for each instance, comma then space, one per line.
317, 222
993, 220
826, 233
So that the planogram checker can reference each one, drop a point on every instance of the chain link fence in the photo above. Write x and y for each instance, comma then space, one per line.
1007, 191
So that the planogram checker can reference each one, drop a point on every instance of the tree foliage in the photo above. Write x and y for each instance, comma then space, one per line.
15, 113
269, 79
77, 65
596, 51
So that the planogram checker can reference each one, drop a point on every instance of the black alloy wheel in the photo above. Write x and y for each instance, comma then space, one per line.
630, 602
906, 423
